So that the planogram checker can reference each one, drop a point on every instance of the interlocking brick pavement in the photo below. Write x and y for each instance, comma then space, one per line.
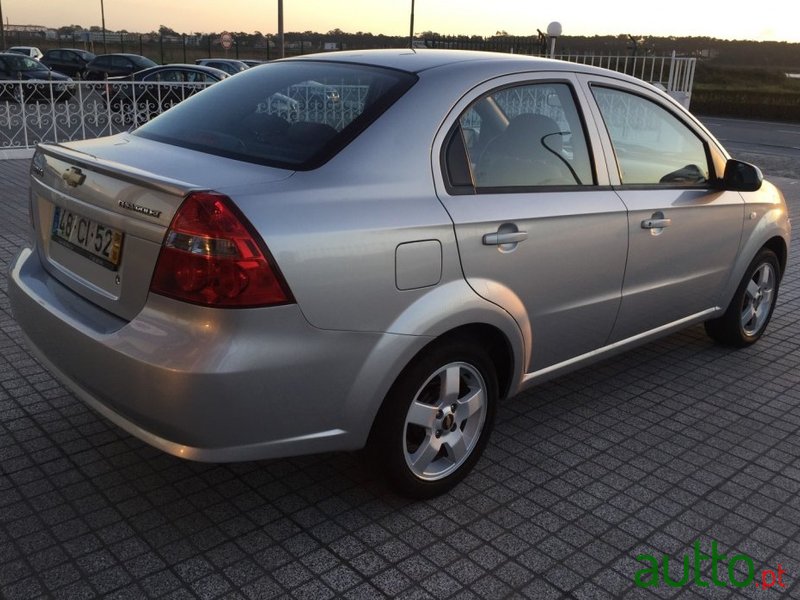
645, 453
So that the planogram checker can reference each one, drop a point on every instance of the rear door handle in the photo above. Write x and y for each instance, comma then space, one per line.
656, 223
510, 237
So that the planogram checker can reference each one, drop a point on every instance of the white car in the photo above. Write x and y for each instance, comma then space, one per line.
31, 51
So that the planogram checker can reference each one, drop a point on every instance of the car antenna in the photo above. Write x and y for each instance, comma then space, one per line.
411, 30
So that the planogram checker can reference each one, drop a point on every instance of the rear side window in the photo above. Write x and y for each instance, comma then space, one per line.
293, 114
524, 136
142, 62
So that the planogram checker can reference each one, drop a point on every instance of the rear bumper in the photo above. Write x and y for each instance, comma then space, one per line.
206, 384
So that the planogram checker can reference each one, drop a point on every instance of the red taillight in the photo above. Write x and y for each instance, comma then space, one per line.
211, 256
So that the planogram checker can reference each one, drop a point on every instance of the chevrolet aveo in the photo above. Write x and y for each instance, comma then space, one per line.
228, 284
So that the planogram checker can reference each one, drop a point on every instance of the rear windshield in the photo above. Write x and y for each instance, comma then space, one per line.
292, 115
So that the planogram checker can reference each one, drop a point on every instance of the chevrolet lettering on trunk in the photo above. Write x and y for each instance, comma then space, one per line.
142, 210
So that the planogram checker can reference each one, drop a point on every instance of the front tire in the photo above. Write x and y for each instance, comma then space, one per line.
436, 419
751, 308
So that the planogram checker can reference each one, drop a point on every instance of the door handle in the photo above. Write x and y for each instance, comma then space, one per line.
509, 237
656, 223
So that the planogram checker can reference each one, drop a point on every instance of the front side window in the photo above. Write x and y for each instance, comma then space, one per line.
525, 136
264, 115
652, 146
170, 76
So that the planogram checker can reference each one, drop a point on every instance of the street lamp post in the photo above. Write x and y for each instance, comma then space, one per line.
103, 19
553, 31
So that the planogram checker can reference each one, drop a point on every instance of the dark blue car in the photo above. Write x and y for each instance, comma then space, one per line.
25, 79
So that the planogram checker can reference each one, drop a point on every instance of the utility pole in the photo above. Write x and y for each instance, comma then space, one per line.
2, 29
280, 29
411, 32
103, 18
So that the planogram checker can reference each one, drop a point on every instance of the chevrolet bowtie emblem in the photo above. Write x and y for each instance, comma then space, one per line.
73, 176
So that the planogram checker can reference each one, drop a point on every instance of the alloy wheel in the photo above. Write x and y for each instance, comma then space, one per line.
444, 421
758, 299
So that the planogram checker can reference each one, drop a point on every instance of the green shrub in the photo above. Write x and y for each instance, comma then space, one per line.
777, 105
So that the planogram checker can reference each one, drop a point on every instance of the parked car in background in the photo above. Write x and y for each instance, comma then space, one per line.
116, 65
151, 91
70, 61
229, 65
29, 51
228, 285
24, 79
252, 62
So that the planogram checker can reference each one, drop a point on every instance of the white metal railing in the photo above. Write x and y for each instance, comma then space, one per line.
45, 111
673, 74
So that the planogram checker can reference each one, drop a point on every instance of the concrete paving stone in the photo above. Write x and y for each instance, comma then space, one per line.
342, 578
441, 585
181, 594
365, 591
244, 571
415, 593
263, 589
80, 590
490, 586
540, 589
213, 586
368, 563
24, 589
110, 579
313, 590
487, 557
144, 564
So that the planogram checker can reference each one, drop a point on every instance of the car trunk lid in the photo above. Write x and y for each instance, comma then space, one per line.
100, 223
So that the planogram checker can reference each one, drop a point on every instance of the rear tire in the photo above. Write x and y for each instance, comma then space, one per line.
751, 308
436, 419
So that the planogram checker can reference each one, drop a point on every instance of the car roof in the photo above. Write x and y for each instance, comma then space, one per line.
186, 66
121, 54
234, 61
70, 49
419, 60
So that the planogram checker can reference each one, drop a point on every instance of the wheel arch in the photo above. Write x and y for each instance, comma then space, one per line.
778, 245
493, 340
497, 344
481, 345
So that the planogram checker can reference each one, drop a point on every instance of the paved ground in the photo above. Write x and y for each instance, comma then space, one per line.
674, 443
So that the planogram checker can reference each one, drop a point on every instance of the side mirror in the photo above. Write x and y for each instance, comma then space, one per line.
741, 177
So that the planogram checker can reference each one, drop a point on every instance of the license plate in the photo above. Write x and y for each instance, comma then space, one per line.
99, 243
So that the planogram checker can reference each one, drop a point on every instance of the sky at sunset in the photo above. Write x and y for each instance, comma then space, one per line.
773, 20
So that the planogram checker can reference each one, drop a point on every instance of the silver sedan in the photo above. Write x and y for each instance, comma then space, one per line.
231, 283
